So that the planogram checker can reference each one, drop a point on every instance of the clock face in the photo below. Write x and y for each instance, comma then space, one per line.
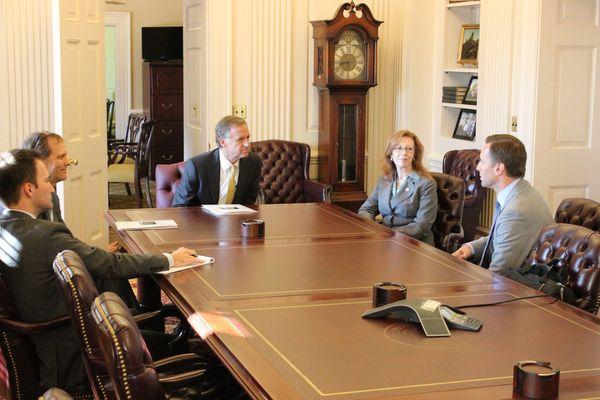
349, 57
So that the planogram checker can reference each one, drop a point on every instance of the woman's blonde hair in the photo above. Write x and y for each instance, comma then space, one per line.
388, 168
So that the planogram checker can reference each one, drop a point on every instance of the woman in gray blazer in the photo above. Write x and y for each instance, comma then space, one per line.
405, 194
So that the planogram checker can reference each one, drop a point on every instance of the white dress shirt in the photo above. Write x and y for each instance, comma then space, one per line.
227, 169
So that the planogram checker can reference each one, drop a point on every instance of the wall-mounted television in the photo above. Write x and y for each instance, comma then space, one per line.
162, 43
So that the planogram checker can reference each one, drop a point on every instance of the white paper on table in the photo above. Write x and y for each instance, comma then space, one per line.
138, 225
227, 209
202, 260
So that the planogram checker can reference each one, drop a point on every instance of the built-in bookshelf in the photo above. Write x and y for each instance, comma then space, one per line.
455, 73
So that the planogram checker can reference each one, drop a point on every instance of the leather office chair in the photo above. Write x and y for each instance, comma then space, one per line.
20, 357
579, 250
447, 228
579, 211
124, 172
284, 173
168, 177
463, 164
132, 371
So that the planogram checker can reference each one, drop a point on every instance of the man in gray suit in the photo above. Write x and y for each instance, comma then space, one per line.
520, 210
28, 248
229, 174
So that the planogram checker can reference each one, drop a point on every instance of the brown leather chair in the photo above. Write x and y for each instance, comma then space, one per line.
168, 177
579, 250
132, 371
79, 292
284, 174
463, 164
20, 357
579, 211
447, 228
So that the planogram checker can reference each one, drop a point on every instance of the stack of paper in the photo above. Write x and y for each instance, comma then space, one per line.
137, 225
227, 209
202, 260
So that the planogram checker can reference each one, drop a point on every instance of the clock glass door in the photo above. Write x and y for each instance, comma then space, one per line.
347, 137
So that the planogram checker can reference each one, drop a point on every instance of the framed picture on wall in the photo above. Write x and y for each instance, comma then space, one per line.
469, 44
465, 125
471, 94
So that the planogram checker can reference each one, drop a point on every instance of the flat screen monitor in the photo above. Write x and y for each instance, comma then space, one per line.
162, 43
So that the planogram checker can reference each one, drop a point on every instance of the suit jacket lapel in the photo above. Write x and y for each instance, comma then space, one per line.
214, 177
406, 191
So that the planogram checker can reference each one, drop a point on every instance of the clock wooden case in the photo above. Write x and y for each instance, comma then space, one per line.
345, 68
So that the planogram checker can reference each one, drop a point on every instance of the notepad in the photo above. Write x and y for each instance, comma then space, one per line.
202, 260
137, 225
227, 209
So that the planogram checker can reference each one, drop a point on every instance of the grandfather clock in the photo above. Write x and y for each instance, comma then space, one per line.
345, 69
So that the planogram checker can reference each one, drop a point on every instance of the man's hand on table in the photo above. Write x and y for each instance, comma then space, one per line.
183, 256
464, 252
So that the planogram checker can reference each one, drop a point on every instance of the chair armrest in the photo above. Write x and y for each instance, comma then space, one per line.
141, 318
183, 370
317, 192
452, 240
28, 328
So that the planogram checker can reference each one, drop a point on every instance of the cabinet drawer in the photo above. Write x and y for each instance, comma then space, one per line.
167, 154
167, 80
167, 133
167, 107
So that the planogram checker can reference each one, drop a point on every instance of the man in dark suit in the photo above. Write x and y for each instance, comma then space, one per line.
229, 174
29, 246
53, 151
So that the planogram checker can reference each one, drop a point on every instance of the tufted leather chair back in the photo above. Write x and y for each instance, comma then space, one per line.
19, 354
447, 229
579, 250
579, 211
168, 177
463, 164
79, 292
284, 173
125, 351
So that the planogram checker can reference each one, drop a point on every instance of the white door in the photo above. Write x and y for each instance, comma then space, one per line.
81, 114
194, 78
567, 131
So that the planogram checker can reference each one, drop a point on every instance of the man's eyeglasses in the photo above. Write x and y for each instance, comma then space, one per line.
400, 149
39, 140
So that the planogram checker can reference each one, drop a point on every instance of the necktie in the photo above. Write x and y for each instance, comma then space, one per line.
489, 245
230, 186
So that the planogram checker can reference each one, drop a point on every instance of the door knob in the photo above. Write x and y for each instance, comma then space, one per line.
73, 161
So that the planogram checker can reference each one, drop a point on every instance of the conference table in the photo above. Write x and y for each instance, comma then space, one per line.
283, 312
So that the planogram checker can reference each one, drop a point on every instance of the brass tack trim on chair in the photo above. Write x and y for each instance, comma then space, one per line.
12, 361
121, 358
63, 269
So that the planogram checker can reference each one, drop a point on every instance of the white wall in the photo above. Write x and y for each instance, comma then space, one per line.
25, 70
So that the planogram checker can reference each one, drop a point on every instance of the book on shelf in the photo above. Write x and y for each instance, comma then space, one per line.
452, 99
454, 89
227, 209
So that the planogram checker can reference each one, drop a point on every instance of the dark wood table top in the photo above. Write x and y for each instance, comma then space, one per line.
283, 312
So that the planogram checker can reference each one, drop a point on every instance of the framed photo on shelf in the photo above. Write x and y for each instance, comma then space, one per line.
465, 125
471, 95
469, 44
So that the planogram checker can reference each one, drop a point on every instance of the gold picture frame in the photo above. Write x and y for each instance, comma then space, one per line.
468, 47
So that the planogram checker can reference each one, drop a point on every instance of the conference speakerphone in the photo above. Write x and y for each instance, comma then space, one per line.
430, 314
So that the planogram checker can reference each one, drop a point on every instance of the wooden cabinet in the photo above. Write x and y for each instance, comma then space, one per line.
163, 103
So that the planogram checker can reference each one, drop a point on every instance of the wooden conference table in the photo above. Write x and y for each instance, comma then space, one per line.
283, 312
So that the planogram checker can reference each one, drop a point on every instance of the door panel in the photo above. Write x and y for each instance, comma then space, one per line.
81, 115
566, 161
